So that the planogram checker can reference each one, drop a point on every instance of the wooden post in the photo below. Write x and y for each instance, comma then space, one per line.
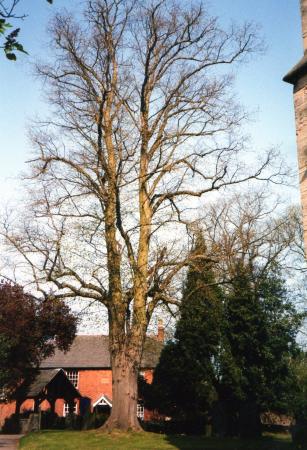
52, 404
36, 405
18, 405
39, 419
70, 417
71, 406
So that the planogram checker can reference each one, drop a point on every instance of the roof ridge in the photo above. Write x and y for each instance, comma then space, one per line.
92, 351
91, 335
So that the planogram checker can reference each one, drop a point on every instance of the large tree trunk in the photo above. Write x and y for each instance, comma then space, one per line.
125, 394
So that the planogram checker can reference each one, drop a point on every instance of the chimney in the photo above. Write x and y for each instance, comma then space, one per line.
161, 331
304, 22
298, 78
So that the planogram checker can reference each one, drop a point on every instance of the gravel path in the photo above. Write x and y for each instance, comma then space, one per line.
9, 441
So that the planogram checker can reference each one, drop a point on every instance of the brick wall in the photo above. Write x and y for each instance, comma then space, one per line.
91, 384
7, 409
94, 383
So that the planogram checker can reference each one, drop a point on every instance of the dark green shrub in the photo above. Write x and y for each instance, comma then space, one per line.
225, 421
93, 420
190, 427
48, 419
299, 435
11, 425
59, 423
249, 421
73, 422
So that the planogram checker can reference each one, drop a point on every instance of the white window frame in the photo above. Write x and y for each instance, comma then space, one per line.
140, 411
3, 395
73, 376
66, 409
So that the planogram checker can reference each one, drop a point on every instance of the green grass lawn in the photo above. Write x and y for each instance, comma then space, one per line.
94, 440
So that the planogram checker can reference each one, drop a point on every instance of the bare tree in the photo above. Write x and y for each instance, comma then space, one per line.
252, 236
144, 125
295, 227
250, 230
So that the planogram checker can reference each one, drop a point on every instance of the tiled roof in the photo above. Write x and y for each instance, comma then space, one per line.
93, 352
41, 380
56, 378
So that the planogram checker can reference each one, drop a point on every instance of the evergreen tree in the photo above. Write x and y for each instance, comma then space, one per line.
299, 402
232, 351
260, 327
184, 380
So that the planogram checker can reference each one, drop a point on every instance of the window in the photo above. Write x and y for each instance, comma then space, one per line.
140, 411
3, 396
73, 376
66, 409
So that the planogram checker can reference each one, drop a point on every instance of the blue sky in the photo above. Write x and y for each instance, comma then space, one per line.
259, 84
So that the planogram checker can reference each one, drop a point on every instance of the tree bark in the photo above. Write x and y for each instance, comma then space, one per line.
125, 395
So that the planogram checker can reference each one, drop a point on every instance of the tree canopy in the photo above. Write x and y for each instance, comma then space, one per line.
235, 340
259, 342
232, 355
145, 123
30, 330
184, 381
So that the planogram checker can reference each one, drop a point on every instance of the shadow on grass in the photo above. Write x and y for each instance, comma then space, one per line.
202, 443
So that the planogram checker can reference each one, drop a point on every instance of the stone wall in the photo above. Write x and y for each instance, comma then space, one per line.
300, 104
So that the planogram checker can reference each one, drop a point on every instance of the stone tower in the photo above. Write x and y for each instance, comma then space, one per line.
298, 77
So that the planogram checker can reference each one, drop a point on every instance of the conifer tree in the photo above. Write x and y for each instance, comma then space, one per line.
231, 357
184, 381
259, 340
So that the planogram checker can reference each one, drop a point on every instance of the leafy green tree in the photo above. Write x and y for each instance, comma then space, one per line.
232, 351
259, 340
9, 33
185, 376
30, 330
299, 406
299, 402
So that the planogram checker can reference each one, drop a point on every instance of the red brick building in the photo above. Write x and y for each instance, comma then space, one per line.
87, 366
